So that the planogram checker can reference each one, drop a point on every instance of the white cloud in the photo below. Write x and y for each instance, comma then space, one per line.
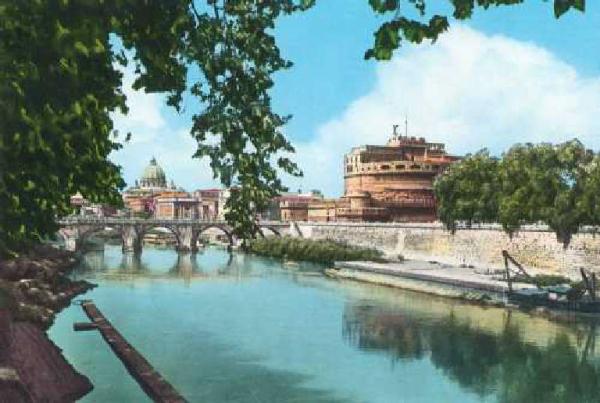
468, 90
157, 130
144, 119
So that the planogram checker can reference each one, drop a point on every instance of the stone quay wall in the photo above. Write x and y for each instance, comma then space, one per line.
535, 247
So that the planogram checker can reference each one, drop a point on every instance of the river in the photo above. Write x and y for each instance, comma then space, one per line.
240, 328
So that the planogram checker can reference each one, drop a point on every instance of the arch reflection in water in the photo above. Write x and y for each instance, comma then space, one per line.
491, 363
95, 239
185, 267
132, 263
98, 261
156, 263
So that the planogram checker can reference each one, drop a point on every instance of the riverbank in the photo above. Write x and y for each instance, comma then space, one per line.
33, 289
427, 277
484, 287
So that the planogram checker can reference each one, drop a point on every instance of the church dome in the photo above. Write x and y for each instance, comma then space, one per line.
153, 175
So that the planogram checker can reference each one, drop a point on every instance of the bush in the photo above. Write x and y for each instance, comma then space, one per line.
543, 280
318, 251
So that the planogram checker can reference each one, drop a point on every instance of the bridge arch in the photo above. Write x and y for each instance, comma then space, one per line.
85, 235
172, 231
220, 227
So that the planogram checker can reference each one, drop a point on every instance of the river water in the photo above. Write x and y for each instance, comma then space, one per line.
240, 328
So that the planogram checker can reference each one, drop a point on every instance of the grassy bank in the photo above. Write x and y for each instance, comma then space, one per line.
318, 251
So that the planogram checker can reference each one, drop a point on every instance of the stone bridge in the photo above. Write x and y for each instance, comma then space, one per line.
77, 229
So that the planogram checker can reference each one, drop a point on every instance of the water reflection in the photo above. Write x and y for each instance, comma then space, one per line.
132, 263
491, 364
230, 327
156, 263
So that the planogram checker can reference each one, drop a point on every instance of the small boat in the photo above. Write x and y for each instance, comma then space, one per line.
560, 297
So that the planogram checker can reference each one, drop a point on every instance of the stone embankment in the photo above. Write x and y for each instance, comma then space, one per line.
484, 287
428, 277
33, 289
535, 247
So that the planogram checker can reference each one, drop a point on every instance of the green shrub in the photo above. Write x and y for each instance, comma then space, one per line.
318, 251
543, 280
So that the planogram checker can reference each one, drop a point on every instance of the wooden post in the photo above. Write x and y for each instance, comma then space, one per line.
508, 279
84, 326
155, 386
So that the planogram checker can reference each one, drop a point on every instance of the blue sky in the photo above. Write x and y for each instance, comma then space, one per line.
510, 74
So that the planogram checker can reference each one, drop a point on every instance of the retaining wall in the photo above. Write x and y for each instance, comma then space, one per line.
534, 246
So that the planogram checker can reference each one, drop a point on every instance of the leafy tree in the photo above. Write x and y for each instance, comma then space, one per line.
237, 73
390, 34
57, 88
468, 191
59, 81
543, 183
589, 202
532, 183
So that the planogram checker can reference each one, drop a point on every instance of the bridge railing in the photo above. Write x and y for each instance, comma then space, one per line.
82, 220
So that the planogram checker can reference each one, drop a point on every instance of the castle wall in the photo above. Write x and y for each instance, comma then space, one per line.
535, 247
379, 182
394, 182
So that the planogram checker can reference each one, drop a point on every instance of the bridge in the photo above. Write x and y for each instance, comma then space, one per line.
77, 229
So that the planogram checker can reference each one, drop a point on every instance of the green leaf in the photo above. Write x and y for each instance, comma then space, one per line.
81, 48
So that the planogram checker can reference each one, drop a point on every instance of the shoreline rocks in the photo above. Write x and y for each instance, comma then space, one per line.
33, 289
37, 284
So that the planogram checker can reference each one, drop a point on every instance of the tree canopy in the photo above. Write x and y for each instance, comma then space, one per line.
60, 81
469, 191
531, 183
425, 26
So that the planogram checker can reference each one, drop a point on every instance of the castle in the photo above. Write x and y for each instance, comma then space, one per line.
387, 183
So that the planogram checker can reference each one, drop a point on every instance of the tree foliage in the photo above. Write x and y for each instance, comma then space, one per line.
238, 71
543, 183
57, 88
60, 80
401, 27
469, 191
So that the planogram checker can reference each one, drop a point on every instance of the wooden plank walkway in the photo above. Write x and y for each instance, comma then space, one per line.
155, 386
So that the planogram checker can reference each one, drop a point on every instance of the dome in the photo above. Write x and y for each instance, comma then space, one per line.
153, 176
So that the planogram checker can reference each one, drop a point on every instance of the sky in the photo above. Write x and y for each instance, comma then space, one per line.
510, 74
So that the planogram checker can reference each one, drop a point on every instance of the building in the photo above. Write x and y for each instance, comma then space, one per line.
176, 204
209, 202
387, 183
326, 209
291, 206
152, 196
85, 208
212, 202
